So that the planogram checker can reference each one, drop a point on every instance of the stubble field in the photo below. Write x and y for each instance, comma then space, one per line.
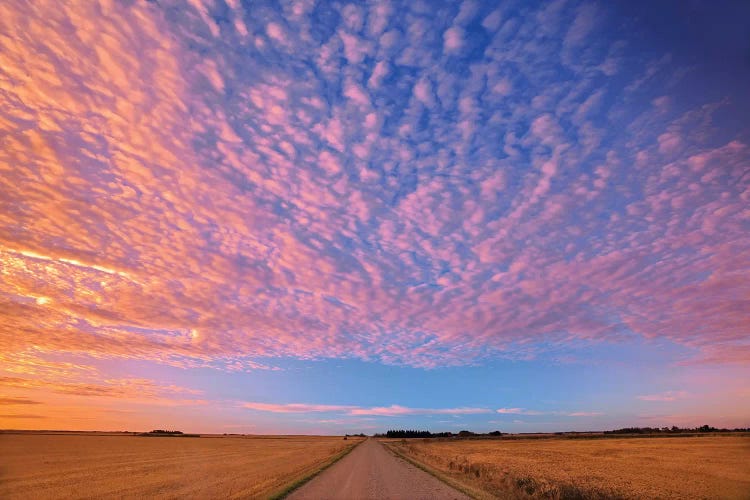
684, 467
80, 465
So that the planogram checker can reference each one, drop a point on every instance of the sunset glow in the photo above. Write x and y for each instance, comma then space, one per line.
320, 217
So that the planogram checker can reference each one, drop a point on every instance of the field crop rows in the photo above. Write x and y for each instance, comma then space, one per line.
77, 466
690, 467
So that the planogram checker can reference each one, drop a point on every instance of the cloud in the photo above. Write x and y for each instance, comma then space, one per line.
668, 142
375, 190
357, 94
453, 39
423, 92
5, 401
295, 407
275, 32
355, 49
523, 411
387, 411
518, 411
378, 73
664, 396
31, 370
396, 410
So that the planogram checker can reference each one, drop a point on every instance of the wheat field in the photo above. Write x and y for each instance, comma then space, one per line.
679, 468
94, 465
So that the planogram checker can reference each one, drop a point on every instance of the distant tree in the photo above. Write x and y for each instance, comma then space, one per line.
707, 428
402, 434
672, 430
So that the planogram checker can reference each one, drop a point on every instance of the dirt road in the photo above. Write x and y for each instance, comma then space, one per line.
371, 471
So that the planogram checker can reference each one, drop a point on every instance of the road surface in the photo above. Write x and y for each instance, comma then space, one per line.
371, 471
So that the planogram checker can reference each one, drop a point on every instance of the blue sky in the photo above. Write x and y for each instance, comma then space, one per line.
325, 217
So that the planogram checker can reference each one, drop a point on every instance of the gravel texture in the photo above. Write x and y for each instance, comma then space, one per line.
370, 471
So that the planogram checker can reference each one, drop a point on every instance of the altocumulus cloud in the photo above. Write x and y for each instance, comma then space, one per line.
213, 186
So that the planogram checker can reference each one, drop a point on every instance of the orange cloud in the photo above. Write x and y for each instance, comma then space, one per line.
16, 401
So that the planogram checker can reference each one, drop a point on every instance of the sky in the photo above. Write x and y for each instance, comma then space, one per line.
328, 217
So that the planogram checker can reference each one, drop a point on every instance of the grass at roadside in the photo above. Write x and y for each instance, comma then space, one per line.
466, 489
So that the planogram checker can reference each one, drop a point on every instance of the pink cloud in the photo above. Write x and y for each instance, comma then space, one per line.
275, 32
395, 410
202, 9
423, 92
353, 17
523, 411
378, 17
664, 396
583, 24
355, 49
296, 408
546, 128
379, 72
386, 411
669, 142
435, 250
518, 411
493, 20
356, 93
503, 87
329, 163
453, 39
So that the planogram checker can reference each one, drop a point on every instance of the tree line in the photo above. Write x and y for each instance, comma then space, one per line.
402, 434
411, 433
671, 430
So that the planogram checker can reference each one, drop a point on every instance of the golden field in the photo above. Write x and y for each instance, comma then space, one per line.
680, 467
96, 465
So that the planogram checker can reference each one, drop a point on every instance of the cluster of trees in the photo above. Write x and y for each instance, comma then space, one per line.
402, 434
671, 430
162, 431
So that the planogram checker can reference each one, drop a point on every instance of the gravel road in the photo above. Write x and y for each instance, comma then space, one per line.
371, 471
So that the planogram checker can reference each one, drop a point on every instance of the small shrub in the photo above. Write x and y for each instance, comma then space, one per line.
526, 484
476, 470
570, 492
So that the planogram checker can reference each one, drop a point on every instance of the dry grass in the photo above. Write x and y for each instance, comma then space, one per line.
690, 467
77, 466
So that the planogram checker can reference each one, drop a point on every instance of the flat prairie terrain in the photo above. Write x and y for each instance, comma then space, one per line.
81, 465
683, 467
